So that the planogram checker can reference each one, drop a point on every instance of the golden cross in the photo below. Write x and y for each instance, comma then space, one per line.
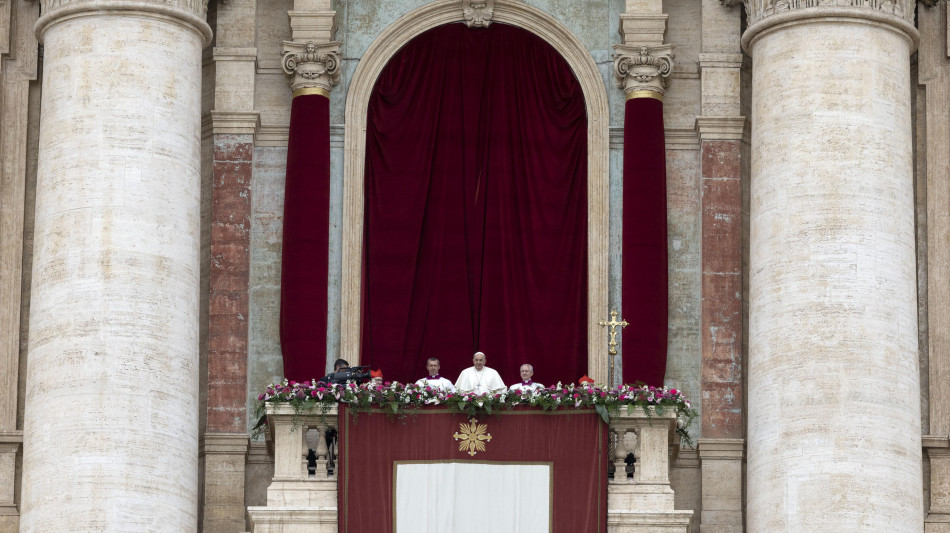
613, 323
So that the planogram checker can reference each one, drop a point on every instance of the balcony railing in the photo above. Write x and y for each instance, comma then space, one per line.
299, 499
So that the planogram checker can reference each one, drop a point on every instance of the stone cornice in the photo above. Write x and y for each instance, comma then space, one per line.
720, 128
707, 60
223, 444
643, 68
224, 53
312, 64
757, 10
235, 122
721, 448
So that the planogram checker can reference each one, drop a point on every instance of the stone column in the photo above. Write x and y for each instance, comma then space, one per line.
933, 178
234, 122
18, 69
833, 387
720, 128
111, 422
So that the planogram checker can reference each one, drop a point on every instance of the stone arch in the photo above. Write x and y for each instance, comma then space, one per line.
377, 56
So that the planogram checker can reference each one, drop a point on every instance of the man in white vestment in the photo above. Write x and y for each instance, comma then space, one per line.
479, 378
526, 382
434, 380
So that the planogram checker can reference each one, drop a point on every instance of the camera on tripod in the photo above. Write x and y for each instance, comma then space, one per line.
357, 374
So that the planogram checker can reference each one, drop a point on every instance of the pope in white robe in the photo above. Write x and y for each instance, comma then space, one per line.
479, 378
434, 380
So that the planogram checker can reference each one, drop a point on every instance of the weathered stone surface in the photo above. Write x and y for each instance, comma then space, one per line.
229, 306
833, 380
113, 362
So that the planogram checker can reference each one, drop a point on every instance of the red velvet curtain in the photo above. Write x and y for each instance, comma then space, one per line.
574, 442
644, 272
476, 208
306, 241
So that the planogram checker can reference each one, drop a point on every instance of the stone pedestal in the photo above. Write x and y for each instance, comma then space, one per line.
111, 422
938, 451
224, 457
296, 500
834, 398
9, 446
644, 503
722, 462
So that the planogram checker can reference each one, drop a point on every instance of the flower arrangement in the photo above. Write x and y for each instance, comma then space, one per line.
397, 399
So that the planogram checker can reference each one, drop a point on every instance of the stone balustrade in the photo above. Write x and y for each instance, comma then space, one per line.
298, 500
644, 502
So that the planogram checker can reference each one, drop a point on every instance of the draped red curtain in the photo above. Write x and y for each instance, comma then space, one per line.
476, 208
306, 240
644, 271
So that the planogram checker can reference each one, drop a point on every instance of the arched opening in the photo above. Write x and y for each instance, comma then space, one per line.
595, 100
475, 220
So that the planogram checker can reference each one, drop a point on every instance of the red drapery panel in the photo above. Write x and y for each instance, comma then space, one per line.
574, 441
306, 242
476, 208
644, 272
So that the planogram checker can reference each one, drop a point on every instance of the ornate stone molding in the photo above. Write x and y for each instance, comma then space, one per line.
643, 68
194, 7
478, 13
189, 13
312, 64
756, 10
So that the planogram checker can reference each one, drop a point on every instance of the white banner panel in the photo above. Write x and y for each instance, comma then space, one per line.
469, 497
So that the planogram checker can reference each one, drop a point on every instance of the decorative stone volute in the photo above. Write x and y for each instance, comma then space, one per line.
478, 13
643, 68
312, 64
758, 10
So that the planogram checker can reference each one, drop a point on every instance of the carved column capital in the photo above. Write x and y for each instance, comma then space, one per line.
757, 10
478, 13
312, 65
643, 68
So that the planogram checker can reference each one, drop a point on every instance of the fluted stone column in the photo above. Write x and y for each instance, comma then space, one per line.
834, 408
111, 430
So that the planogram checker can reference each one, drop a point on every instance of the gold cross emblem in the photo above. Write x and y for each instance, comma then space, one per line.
472, 436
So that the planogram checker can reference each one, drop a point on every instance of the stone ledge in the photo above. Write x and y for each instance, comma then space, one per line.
235, 122
227, 53
11, 436
935, 441
716, 60
720, 128
223, 444
731, 449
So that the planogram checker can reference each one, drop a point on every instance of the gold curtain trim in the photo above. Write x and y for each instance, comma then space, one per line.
644, 94
303, 91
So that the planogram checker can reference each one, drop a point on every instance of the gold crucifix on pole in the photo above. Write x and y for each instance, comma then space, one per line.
613, 323
612, 345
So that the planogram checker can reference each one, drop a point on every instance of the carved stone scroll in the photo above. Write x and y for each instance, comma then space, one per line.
312, 64
643, 68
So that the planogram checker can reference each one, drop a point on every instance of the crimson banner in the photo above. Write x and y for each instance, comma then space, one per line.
573, 443
645, 271
306, 240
